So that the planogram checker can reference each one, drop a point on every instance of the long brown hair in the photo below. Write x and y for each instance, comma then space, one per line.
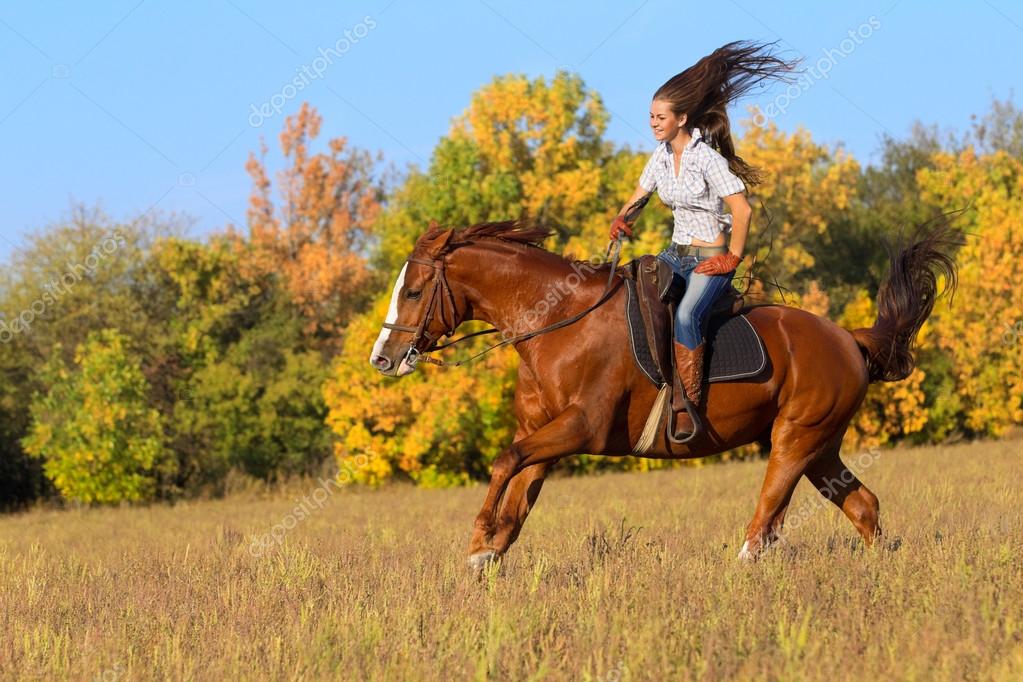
704, 91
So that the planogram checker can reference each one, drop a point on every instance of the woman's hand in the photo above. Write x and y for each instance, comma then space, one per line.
718, 265
619, 226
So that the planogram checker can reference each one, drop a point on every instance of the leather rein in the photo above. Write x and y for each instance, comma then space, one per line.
440, 293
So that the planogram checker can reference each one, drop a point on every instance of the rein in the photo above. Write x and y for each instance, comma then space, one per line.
440, 282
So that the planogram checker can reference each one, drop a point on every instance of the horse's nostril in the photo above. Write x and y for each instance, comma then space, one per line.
382, 363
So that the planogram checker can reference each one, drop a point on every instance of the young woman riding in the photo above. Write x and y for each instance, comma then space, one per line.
695, 171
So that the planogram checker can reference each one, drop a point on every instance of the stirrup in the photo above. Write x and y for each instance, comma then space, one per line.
669, 426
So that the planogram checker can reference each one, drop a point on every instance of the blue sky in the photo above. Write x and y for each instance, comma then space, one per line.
149, 105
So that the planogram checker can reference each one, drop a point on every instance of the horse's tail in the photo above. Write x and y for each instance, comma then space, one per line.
907, 296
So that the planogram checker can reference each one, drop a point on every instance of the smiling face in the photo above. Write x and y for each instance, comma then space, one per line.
663, 121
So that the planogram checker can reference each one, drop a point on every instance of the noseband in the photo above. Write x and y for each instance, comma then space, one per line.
440, 292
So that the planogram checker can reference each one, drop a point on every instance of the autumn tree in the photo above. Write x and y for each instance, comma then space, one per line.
315, 237
801, 211
979, 340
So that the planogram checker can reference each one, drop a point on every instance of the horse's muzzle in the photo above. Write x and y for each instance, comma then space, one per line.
386, 365
382, 362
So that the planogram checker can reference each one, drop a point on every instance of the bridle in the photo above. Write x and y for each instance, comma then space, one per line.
440, 291
438, 284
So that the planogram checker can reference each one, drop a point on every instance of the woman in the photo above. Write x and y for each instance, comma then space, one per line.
696, 172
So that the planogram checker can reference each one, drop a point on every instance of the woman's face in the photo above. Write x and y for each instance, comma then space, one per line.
663, 121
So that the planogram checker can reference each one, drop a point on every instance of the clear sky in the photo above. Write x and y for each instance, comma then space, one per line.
137, 105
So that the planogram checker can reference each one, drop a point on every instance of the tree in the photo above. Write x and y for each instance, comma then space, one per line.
801, 210
82, 274
100, 440
241, 379
315, 242
981, 336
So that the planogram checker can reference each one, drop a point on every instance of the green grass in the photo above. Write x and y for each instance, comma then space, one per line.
615, 577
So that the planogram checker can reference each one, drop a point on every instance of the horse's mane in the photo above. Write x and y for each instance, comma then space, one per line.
518, 231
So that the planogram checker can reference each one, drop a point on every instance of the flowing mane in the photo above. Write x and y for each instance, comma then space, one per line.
511, 231
518, 231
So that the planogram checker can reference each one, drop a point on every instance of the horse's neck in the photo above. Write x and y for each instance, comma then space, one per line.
516, 288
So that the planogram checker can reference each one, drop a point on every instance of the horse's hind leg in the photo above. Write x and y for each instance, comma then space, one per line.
779, 483
778, 524
793, 450
839, 484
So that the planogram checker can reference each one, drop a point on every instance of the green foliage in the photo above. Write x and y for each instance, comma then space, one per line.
258, 409
100, 440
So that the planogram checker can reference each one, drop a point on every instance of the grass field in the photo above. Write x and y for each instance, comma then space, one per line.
615, 577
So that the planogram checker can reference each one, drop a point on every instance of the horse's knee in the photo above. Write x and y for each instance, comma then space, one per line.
506, 463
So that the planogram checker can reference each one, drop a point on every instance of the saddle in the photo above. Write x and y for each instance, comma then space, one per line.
734, 349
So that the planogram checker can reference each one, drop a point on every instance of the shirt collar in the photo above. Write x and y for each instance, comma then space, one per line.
696, 136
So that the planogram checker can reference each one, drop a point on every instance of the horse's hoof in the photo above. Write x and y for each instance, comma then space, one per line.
480, 560
746, 555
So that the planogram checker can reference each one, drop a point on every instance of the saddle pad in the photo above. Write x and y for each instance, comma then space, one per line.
734, 349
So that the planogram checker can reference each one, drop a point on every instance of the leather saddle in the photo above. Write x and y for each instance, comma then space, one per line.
655, 289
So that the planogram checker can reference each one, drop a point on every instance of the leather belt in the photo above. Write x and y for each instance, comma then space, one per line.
698, 251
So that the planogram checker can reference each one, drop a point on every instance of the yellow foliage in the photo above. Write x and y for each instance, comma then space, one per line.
982, 334
432, 420
806, 187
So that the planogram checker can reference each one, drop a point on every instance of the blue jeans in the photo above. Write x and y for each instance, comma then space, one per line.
701, 292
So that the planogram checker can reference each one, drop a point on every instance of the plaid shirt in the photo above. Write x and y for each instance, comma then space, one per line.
695, 195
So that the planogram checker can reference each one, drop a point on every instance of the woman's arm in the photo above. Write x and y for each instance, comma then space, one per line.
741, 214
620, 225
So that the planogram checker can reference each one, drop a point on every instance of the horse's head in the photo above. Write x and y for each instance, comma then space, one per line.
422, 308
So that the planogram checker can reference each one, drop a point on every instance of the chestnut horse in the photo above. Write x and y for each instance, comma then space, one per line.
579, 390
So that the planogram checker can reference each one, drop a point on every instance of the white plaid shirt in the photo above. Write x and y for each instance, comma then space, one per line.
695, 195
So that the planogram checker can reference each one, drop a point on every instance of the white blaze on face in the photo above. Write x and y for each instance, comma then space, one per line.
392, 314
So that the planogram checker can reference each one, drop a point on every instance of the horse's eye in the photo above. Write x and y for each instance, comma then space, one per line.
413, 294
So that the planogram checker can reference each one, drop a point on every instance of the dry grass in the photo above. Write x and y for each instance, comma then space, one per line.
374, 585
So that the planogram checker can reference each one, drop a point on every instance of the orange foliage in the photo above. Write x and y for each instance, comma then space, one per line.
315, 240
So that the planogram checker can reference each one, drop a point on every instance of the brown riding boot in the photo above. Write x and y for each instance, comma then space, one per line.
689, 365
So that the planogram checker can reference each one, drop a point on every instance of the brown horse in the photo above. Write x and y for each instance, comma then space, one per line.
579, 390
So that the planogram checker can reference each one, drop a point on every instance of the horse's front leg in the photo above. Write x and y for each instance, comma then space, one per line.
523, 490
566, 434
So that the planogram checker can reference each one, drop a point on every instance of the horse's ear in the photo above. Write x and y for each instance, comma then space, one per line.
433, 225
435, 244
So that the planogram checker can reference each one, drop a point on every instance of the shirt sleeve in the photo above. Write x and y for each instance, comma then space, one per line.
721, 180
648, 180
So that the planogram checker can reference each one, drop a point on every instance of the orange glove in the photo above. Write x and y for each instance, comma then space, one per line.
618, 226
718, 265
